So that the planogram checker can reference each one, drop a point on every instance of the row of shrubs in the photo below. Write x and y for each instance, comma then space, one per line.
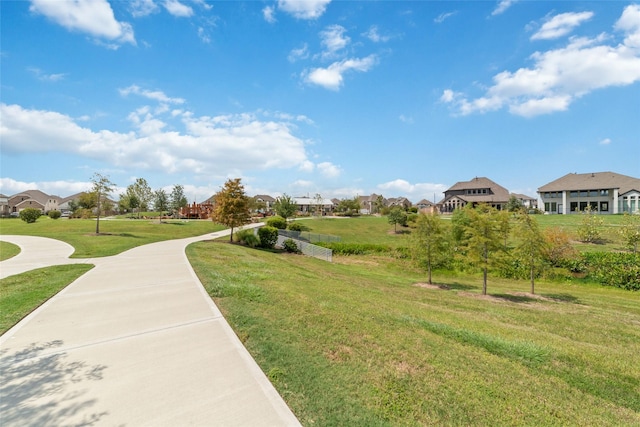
266, 237
281, 223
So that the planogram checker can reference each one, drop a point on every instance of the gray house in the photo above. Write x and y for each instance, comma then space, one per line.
604, 192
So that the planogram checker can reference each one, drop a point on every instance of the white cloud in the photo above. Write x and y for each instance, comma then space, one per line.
139, 8
329, 170
560, 76
304, 9
178, 9
443, 16
204, 36
223, 143
502, 6
269, 14
629, 23
406, 119
156, 95
10, 186
299, 53
374, 35
42, 76
414, 192
605, 141
560, 25
332, 76
93, 17
333, 39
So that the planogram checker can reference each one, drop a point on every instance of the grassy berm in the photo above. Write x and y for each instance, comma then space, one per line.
360, 342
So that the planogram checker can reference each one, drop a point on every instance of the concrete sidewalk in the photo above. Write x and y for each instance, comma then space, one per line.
136, 341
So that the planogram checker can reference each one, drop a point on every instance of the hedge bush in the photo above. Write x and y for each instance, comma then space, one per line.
54, 214
30, 215
248, 237
268, 236
296, 226
617, 269
290, 245
340, 248
277, 222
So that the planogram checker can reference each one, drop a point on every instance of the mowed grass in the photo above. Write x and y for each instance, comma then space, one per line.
116, 236
357, 342
23, 293
8, 250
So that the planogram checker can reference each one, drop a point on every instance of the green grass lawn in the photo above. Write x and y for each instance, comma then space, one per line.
8, 250
23, 293
357, 343
116, 235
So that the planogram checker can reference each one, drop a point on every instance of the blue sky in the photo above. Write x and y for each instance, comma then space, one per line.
338, 98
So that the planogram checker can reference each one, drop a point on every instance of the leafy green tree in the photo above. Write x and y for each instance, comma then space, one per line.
530, 245
396, 216
54, 214
30, 215
630, 231
589, 229
285, 206
514, 205
378, 204
231, 206
141, 191
429, 241
88, 200
160, 202
348, 207
101, 187
178, 200
485, 233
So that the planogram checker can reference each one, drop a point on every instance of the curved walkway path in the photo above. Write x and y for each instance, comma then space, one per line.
136, 341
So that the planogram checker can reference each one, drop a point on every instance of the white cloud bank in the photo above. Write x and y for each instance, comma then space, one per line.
94, 17
414, 192
226, 144
560, 76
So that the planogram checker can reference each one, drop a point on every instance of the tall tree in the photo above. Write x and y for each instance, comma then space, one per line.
177, 199
485, 233
231, 206
429, 240
102, 187
285, 206
530, 245
396, 216
142, 192
630, 231
318, 204
160, 202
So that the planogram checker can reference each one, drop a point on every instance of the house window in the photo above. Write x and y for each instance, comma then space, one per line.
604, 192
583, 193
583, 206
604, 206
594, 206
574, 207
574, 194
593, 193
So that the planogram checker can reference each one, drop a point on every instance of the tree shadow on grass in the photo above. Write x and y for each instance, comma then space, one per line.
461, 287
563, 298
39, 386
515, 298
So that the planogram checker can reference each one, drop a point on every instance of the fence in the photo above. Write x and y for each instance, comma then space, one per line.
308, 237
307, 248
